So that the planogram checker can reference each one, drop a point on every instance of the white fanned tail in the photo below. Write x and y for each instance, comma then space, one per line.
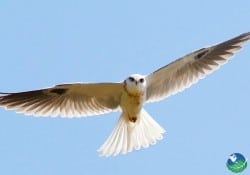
127, 136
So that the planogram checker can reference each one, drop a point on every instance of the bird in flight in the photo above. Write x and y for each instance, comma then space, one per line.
135, 128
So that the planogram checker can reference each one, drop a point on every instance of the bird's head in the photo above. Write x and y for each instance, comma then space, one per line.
135, 84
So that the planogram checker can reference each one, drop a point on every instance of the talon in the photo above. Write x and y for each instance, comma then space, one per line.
133, 119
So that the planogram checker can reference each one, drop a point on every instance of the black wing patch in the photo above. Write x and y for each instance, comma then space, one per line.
58, 91
200, 55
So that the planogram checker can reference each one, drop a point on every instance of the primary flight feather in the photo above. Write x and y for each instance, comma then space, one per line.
135, 127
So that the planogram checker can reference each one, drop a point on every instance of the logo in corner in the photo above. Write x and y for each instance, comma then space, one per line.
236, 163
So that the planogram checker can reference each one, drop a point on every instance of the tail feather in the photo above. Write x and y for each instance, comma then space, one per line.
127, 136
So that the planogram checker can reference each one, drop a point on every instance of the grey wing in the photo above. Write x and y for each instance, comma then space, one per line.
185, 71
66, 100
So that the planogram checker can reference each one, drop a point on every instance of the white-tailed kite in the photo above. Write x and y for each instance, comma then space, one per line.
135, 127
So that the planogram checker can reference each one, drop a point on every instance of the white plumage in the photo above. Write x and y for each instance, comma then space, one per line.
135, 128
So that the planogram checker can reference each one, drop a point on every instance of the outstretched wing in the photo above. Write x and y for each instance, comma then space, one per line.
66, 100
185, 71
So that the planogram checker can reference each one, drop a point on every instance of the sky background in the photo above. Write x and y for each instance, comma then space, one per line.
43, 43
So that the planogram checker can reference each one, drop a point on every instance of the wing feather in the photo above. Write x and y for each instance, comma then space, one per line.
187, 70
66, 100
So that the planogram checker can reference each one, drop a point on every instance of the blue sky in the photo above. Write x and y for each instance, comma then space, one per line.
43, 43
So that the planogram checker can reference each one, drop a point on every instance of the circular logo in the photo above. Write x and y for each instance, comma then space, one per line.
236, 163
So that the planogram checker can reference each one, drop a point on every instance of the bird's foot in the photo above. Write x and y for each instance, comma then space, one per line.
132, 119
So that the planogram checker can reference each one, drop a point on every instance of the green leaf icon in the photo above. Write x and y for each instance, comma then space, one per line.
236, 163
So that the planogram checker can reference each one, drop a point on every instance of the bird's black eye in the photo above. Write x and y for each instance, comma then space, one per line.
141, 80
131, 79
